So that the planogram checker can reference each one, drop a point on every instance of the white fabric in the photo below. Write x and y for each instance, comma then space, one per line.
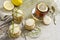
50, 32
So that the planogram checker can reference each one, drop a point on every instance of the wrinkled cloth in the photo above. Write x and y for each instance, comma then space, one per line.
50, 32
5, 19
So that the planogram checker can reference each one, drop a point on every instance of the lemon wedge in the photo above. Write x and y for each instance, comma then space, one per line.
17, 2
8, 5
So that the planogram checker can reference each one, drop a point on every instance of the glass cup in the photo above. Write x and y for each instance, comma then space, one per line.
41, 10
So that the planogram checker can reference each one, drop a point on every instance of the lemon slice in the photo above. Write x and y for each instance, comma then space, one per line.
8, 5
17, 2
47, 20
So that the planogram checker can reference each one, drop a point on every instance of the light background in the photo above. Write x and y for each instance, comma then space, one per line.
50, 32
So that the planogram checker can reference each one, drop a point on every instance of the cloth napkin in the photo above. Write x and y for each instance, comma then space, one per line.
5, 19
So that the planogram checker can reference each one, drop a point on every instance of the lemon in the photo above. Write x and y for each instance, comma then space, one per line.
46, 20
8, 5
17, 2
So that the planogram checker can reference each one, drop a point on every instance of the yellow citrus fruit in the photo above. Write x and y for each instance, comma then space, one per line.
8, 5
17, 2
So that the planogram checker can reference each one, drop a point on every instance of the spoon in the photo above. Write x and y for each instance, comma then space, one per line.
23, 24
53, 14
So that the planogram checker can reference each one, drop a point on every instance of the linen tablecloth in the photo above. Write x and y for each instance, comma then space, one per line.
50, 32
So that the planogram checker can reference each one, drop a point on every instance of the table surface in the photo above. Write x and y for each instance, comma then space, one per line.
50, 32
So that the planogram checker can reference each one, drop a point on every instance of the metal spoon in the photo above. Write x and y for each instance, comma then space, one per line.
23, 24
53, 14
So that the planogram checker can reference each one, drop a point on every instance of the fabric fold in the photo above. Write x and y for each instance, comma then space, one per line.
4, 19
